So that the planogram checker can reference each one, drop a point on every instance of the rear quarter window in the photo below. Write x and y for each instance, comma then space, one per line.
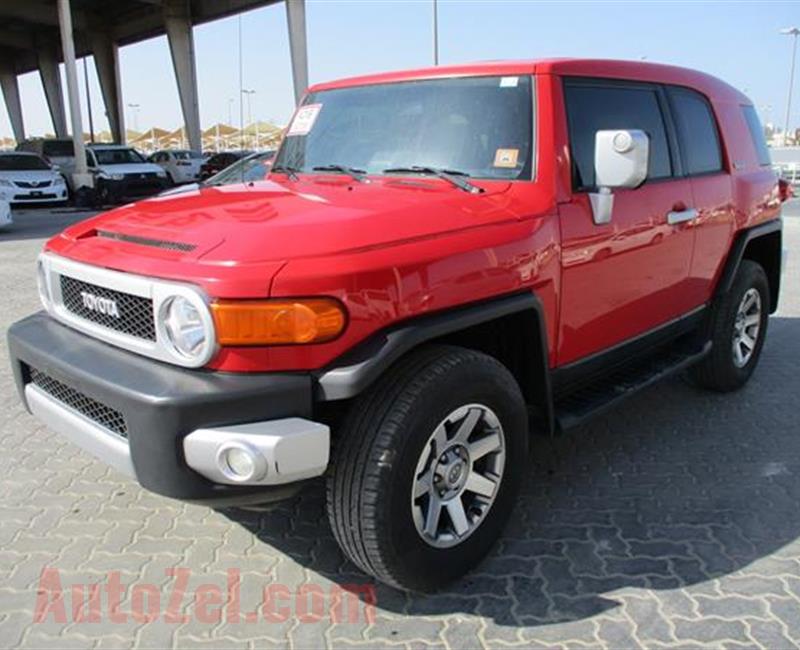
757, 135
697, 131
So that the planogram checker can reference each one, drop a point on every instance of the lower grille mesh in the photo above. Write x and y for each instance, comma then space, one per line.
97, 412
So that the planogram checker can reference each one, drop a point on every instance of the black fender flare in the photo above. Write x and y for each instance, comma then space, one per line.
736, 254
356, 370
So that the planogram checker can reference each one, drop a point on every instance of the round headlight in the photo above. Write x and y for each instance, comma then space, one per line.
185, 328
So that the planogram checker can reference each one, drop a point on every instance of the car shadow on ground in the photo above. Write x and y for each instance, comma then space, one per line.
674, 488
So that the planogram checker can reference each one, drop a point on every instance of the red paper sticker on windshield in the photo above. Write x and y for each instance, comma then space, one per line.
506, 157
304, 119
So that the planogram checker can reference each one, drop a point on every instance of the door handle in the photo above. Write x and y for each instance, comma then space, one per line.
680, 216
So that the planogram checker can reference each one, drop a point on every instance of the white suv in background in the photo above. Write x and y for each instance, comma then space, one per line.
181, 165
123, 173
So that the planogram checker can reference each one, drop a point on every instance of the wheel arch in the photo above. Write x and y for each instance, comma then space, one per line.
510, 329
762, 244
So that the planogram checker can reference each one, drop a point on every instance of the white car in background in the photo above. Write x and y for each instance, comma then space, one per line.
25, 178
122, 173
181, 165
5, 214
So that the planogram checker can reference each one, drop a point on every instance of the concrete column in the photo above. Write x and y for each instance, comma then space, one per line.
178, 24
296, 21
81, 176
51, 81
106, 61
10, 87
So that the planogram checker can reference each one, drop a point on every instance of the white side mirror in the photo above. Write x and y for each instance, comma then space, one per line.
620, 160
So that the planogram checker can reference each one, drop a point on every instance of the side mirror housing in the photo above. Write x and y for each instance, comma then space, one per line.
620, 161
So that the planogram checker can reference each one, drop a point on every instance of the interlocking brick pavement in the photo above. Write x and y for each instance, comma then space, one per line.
673, 521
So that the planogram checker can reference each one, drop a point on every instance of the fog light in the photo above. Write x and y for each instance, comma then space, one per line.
240, 462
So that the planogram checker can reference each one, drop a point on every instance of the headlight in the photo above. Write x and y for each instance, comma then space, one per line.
161, 173
59, 180
5, 183
187, 331
117, 177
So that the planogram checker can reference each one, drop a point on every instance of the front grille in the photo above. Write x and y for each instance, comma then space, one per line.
147, 241
32, 184
97, 412
135, 312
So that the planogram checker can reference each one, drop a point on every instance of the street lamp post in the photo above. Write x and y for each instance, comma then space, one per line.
435, 32
793, 32
250, 94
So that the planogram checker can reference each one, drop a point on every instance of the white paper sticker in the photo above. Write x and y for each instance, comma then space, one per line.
304, 119
509, 82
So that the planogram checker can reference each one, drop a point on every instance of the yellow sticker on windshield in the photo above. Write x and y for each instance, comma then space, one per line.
506, 157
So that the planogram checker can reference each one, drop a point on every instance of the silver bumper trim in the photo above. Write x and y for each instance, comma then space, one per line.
100, 442
285, 451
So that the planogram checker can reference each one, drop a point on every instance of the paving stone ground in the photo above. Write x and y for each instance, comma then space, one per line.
672, 521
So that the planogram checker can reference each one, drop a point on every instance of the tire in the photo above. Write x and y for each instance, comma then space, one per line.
379, 453
723, 370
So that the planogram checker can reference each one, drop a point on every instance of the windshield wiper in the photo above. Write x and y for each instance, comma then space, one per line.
357, 174
291, 172
457, 178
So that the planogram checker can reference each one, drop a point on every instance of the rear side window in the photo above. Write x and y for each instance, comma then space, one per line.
697, 131
757, 134
593, 107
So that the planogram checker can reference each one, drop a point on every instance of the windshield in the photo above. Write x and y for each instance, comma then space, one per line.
18, 163
252, 168
58, 149
117, 156
481, 126
186, 155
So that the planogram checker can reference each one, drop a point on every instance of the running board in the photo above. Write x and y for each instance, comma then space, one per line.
585, 403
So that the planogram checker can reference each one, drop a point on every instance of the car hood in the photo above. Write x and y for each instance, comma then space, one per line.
29, 175
211, 232
131, 168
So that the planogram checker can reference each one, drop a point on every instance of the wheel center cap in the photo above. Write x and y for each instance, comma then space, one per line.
455, 473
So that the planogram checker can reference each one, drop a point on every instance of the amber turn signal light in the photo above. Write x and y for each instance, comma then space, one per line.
278, 322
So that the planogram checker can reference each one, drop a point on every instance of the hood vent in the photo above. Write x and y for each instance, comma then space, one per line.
146, 241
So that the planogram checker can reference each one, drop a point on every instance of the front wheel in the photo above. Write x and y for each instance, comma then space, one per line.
427, 468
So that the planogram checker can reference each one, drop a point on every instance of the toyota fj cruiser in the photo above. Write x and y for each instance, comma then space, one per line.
440, 264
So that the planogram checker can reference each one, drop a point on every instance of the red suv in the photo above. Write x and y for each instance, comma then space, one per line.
441, 264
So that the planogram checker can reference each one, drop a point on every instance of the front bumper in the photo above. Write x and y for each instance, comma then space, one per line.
138, 414
26, 196
132, 186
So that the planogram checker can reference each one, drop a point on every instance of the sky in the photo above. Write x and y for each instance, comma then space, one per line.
736, 41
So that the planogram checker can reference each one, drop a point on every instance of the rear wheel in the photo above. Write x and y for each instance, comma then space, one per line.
738, 329
427, 467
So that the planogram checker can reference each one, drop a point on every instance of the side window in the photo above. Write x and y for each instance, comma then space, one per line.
757, 134
697, 131
592, 107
